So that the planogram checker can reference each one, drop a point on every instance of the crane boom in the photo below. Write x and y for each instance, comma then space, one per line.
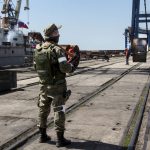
17, 9
5, 7
27, 5
11, 13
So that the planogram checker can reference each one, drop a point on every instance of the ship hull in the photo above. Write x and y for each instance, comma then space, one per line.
12, 56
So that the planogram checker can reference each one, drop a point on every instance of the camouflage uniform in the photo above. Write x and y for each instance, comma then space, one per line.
52, 66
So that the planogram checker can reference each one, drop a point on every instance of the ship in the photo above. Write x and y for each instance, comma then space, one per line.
14, 44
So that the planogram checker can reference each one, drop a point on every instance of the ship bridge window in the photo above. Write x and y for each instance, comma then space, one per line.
15, 39
6, 43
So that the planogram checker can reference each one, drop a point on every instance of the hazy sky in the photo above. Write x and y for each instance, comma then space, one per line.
91, 24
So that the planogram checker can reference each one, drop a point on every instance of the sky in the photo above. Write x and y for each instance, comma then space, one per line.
90, 24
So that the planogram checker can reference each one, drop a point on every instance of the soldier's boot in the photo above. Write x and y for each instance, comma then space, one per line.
61, 141
43, 136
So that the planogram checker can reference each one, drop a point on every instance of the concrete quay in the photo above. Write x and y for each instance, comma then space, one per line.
99, 124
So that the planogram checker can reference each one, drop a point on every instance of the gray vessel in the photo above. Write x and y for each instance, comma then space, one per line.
13, 42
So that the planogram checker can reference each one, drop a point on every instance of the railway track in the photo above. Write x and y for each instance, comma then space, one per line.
84, 68
23, 137
30, 72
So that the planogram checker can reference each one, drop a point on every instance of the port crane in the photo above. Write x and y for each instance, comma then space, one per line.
11, 12
138, 44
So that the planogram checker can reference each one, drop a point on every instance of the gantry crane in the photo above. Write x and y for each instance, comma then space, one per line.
11, 12
138, 45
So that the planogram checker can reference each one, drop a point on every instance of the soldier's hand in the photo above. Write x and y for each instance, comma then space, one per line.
73, 68
75, 61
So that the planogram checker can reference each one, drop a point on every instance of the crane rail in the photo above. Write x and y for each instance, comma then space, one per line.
37, 82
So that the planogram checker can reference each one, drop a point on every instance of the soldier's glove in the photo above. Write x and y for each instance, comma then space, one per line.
74, 60
73, 68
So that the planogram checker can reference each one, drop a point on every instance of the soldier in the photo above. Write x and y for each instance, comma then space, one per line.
51, 65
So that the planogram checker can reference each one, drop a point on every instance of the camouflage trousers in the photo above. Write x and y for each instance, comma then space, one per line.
52, 96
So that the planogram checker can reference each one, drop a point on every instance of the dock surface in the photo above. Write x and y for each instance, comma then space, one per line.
104, 100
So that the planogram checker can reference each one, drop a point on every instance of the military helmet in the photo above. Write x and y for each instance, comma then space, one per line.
50, 31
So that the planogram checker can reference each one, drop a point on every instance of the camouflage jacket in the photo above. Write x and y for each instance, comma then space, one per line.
51, 64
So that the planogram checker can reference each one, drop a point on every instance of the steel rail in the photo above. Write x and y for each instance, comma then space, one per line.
137, 116
143, 98
68, 75
146, 137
